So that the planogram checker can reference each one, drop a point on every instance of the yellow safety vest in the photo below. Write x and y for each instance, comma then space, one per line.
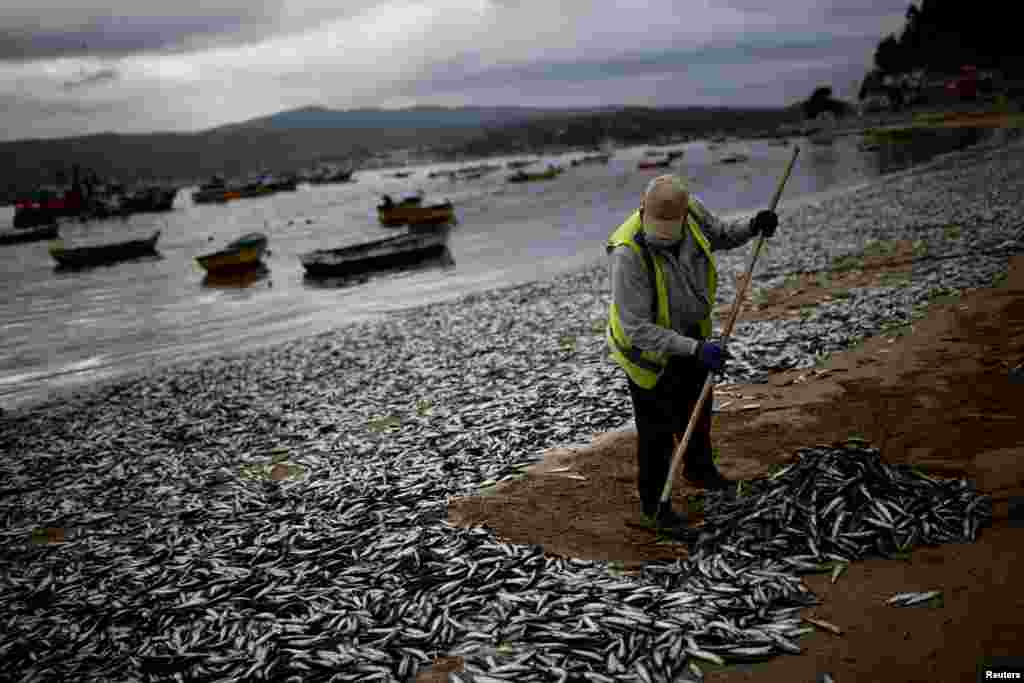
646, 367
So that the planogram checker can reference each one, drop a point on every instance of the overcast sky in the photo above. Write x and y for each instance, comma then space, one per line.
184, 65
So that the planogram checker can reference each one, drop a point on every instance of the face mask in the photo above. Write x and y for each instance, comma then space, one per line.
670, 231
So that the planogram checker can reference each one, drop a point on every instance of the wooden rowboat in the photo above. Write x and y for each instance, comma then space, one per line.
410, 212
382, 254
245, 253
522, 176
82, 257
42, 232
661, 163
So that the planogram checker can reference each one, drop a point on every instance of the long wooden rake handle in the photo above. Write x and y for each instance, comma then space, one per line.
681, 448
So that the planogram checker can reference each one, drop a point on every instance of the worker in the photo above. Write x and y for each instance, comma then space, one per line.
663, 289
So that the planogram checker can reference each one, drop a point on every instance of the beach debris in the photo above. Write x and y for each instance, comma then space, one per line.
822, 624
908, 599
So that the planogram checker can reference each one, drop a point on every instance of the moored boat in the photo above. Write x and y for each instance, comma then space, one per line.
592, 159
735, 159
150, 199
654, 163
82, 257
522, 176
46, 206
214, 190
245, 253
34, 234
325, 176
383, 254
410, 211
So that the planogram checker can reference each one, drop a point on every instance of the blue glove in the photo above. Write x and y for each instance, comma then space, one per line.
712, 355
764, 223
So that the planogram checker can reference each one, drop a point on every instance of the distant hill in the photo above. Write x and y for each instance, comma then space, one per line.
291, 140
286, 141
423, 118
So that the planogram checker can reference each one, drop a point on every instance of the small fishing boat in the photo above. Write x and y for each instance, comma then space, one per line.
215, 190
383, 254
411, 212
82, 257
591, 159
476, 171
521, 163
236, 279
46, 205
401, 174
35, 234
523, 176
245, 253
651, 163
325, 176
149, 199
734, 159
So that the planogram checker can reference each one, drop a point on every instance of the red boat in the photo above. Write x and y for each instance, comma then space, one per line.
661, 163
45, 207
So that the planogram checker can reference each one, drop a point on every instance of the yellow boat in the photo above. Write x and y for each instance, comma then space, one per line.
522, 176
242, 254
410, 212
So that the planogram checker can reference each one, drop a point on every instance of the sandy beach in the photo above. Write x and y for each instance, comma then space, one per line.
367, 501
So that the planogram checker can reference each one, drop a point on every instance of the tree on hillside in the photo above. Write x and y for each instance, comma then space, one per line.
943, 35
820, 101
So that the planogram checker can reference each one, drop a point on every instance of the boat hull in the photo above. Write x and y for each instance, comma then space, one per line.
83, 257
528, 177
416, 215
231, 260
239, 256
664, 163
386, 254
19, 235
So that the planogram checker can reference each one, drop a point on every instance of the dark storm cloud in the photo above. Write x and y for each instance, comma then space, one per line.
111, 36
61, 28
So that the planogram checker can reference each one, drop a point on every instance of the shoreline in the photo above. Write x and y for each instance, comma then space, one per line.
255, 349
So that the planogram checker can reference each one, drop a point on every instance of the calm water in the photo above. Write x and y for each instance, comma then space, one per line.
65, 329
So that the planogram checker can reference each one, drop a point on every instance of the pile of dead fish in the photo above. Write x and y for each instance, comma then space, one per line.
842, 504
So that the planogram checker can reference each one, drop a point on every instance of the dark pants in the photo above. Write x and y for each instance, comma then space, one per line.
663, 411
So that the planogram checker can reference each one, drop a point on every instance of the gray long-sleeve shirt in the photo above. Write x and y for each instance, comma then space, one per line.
686, 278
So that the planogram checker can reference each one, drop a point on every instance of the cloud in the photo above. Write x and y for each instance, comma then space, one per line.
714, 68
57, 28
194, 64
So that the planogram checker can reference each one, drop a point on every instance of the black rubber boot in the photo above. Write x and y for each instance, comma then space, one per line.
668, 522
707, 476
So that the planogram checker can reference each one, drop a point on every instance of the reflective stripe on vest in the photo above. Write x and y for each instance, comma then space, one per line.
646, 367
